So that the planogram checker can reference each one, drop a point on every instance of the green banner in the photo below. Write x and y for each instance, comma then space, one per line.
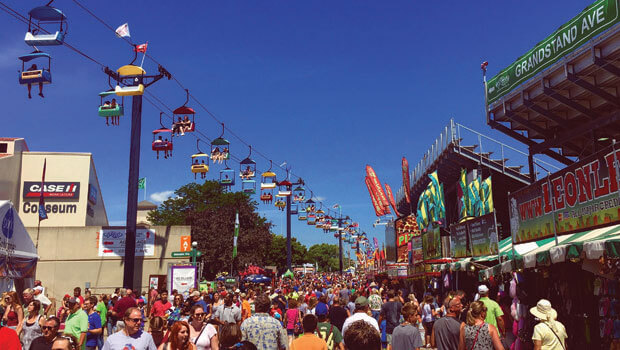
458, 241
597, 17
431, 241
483, 235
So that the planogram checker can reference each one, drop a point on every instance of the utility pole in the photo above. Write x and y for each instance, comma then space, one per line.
128, 76
289, 188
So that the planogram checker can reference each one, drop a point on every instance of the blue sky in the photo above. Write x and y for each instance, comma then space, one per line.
327, 86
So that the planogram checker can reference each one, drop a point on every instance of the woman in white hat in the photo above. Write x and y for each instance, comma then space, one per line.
549, 334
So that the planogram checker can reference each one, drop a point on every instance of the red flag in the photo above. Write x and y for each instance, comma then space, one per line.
141, 48
42, 212
390, 195
406, 179
378, 189
375, 203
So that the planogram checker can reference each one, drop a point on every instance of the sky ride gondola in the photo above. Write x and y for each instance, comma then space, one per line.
181, 115
299, 194
160, 142
266, 196
227, 177
294, 208
302, 215
247, 167
110, 109
200, 163
268, 179
280, 204
45, 15
220, 148
34, 74
130, 71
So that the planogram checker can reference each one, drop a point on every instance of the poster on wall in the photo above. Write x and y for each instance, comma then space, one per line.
182, 278
483, 235
406, 229
431, 241
417, 251
112, 242
458, 241
579, 197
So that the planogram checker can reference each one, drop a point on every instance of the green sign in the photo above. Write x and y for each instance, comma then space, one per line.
181, 254
483, 235
185, 254
597, 17
458, 240
431, 242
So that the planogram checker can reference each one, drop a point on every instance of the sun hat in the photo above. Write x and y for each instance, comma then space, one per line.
544, 311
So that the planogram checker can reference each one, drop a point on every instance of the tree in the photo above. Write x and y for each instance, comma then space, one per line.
325, 256
276, 255
211, 213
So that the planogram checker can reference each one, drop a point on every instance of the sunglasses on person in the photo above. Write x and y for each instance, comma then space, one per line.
47, 328
199, 314
134, 320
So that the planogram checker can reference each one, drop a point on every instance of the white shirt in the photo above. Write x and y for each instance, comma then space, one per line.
360, 316
43, 299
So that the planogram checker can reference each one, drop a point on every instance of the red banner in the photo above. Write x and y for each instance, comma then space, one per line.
390, 196
406, 179
378, 189
378, 208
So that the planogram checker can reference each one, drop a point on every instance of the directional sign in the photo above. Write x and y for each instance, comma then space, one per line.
181, 254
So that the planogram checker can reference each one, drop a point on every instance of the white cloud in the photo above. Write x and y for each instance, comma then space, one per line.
159, 197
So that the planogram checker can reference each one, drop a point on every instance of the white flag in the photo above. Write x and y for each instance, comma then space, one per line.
123, 31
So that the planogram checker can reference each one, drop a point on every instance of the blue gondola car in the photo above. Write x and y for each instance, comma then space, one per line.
43, 15
227, 177
35, 74
248, 186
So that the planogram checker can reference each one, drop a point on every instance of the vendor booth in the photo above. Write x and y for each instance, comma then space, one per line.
18, 255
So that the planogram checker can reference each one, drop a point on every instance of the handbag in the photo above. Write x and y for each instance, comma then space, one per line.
298, 329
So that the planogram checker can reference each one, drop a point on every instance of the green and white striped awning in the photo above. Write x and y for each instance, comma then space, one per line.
589, 244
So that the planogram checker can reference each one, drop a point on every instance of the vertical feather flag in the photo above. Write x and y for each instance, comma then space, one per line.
486, 196
375, 202
463, 196
378, 189
390, 195
406, 179
234, 254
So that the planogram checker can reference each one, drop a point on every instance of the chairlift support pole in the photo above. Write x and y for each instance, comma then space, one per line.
134, 167
288, 222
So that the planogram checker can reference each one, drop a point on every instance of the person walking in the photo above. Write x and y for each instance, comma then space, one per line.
161, 306
50, 332
390, 311
179, 338
374, 300
201, 334
337, 314
428, 318
77, 322
292, 317
494, 311
329, 332
406, 336
131, 336
264, 331
227, 313
446, 330
309, 340
31, 326
361, 313
549, 334
476, 333
95, 327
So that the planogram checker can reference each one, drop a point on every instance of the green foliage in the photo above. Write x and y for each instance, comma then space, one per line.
211, 213
325, 255
276, 256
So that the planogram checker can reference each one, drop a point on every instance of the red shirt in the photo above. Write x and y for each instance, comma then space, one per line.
9, 339
159, 308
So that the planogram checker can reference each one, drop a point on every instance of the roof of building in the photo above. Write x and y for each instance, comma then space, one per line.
145, 205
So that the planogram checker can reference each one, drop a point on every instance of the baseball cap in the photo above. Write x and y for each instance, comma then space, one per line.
361, 301
73, 300
483, 289
195, 294
321, 309
39, 288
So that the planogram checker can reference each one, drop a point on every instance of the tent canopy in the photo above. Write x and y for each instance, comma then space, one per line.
18, 255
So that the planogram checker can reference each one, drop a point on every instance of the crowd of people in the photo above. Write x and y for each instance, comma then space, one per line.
312, 311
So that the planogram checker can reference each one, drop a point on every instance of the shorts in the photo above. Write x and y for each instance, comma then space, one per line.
428, 327
290, 332
388, 337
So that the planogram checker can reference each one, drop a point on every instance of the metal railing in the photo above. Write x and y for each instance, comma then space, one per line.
471, 143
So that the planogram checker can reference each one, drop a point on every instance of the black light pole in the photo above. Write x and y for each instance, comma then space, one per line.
288, 222
340, 219
134, 165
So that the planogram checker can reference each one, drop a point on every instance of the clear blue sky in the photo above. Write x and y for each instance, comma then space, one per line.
327, 86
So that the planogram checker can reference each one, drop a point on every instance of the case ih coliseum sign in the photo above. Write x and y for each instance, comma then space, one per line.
57, 190
580, 197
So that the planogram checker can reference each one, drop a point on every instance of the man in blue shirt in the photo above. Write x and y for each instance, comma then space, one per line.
95, 329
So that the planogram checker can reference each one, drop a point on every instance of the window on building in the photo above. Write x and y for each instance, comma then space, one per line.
4, 147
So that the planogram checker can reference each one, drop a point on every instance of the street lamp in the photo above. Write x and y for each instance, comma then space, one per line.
194, 252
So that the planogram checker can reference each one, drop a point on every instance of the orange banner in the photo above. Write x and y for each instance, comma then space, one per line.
378, 189
390, 196
375, 203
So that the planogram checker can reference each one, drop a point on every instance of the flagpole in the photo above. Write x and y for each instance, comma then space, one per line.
144, 55
41, 204
145, 188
